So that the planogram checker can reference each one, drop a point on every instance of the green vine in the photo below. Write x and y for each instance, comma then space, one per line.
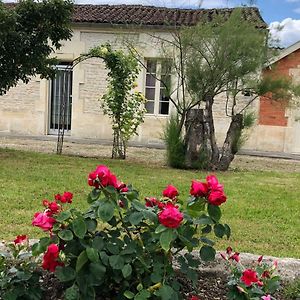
121, 103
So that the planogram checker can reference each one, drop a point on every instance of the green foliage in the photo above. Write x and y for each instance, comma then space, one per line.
128, 252
25, 33
19, 273
292, 290
175, 144
121, 103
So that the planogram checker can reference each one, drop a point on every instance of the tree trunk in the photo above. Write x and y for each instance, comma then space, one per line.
230, 146
195, 139
119, 146
209, 129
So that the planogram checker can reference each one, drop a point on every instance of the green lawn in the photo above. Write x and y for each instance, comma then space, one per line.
263, 208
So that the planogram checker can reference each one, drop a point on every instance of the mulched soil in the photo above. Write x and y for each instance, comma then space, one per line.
210, 286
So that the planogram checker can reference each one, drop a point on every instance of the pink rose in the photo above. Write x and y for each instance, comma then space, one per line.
50, 259
170, 217
170, 191
216, 197
43, 220
103, 177
213, 183
21, 239
199, 189
151, 201
249, 276
268, 297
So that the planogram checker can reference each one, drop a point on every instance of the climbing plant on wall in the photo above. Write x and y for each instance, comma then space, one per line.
121, 102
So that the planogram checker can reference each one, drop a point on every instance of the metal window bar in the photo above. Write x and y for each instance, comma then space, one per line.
61, 100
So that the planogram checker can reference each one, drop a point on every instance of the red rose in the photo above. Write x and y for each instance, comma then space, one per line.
216, 198
170, 191
199, 189
259, 260
265, 274
151, 202
21, 239
91, 180
66, 197
50, 259
213, 183
170, 217
249, 276
228, 250
43, 220
194, 298
235, 256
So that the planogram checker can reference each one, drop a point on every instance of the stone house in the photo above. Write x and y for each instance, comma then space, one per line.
33, 109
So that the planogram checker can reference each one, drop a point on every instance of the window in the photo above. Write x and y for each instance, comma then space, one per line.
61, 98
157, 89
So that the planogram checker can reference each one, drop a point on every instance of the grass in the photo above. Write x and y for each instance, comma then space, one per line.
262, 209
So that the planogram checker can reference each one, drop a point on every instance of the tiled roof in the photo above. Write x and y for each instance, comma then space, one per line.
156, 16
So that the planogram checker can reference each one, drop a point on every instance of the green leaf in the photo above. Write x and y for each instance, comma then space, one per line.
207, 253
196, 208
160, 228
214, 212
106, 211
82, 259
72, 293
116, 262
79, 227
148, 214
91, 224
203, 220
206, 240
92, 254
63, 216
136, 217
98, 243
166, 238
97, 270
66, 235
206, 229
138, 205
219, 230
128, 294
65, 274
166, 292
126, 270
142, 295
227, 230
95, 194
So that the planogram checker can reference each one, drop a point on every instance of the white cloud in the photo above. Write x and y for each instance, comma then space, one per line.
287, 31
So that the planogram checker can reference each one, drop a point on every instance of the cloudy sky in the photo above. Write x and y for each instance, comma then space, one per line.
284, 14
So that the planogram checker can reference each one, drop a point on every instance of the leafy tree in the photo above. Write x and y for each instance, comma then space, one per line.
29, 32
222, 58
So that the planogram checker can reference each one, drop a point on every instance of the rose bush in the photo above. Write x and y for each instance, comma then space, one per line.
259, 282
122, 248
20, 272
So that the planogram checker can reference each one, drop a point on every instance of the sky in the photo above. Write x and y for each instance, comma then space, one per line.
283, 14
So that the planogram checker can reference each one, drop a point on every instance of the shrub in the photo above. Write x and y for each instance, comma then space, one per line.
121, 248
19, 272
258, 282
175, 144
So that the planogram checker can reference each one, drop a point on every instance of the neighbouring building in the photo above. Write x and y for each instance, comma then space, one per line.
33, 109
278, 127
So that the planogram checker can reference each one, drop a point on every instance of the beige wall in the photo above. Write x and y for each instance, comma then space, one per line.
25, 108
